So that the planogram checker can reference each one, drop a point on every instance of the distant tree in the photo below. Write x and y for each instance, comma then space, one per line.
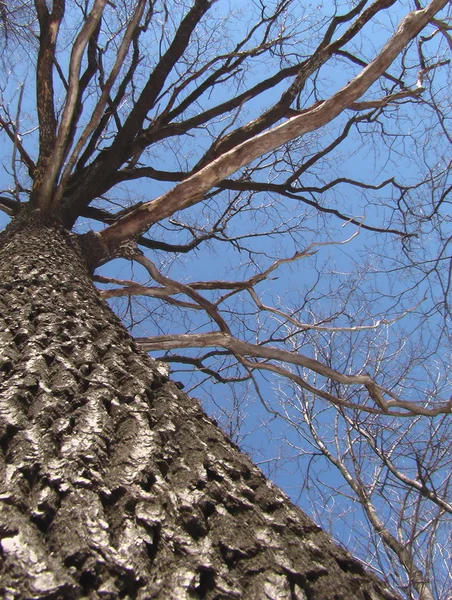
199, 138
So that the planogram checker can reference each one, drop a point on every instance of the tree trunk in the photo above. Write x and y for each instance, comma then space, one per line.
115, 484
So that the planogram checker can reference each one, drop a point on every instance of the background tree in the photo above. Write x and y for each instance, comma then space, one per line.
259, 132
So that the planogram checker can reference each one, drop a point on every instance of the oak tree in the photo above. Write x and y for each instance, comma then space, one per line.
142, 133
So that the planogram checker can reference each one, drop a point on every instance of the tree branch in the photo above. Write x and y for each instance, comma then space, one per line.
192, 190
243, 349
60, 144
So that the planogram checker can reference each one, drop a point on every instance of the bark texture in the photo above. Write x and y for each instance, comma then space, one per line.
114, 483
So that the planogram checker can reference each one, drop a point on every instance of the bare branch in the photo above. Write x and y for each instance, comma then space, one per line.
403, 553
98, 111
60, 144
242, 349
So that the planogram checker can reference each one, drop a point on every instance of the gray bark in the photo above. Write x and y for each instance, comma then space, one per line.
114, 483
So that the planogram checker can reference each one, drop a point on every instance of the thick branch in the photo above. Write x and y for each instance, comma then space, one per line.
49, 24
60, 145
281, 109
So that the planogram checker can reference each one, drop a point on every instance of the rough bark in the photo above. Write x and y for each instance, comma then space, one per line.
114, 483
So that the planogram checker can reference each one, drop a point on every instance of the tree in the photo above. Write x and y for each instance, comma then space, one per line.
115, 483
